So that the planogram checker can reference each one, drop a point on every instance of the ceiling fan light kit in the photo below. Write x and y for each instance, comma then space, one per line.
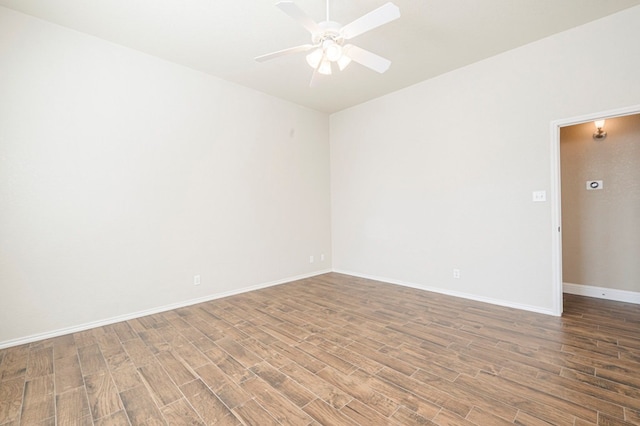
328, 40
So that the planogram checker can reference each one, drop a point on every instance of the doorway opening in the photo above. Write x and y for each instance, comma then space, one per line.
556, 192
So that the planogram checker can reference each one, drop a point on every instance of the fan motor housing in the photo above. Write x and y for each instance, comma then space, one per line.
330, 31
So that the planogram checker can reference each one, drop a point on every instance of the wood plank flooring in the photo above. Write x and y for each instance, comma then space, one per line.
335, 350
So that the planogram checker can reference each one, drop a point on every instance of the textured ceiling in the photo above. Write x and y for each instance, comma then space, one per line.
221, 37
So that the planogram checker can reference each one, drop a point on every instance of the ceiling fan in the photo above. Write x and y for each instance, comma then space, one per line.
328, 38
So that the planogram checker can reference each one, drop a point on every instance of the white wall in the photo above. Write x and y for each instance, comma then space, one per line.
122, 176
440, 175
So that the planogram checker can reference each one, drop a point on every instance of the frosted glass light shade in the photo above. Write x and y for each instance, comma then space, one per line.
332, 50
343, 62
314, 58
325, 67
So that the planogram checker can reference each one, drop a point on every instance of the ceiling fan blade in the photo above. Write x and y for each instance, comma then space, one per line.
299, 15
377, 17
315, 78
366, 58
284, 52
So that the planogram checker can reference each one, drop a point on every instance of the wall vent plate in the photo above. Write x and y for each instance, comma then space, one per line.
593, 185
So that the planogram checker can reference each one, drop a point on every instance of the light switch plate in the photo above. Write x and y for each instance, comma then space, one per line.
539, 196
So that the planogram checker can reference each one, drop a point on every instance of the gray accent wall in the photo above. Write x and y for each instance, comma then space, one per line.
601, 228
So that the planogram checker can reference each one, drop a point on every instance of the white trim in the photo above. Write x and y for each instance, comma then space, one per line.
556, 221
462, 295
602, 293
126, 317
555, 196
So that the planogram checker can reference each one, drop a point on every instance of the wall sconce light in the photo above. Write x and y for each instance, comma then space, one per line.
599, 134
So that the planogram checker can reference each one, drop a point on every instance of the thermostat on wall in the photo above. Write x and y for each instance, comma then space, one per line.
594, 184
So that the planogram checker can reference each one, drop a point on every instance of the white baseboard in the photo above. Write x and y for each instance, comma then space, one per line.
462, 295
602, 292
126, 317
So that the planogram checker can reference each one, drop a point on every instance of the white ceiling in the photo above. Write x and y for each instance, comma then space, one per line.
221, 37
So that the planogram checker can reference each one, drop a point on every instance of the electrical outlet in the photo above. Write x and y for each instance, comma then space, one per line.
456, 273
196, 280
322, 258
310, 259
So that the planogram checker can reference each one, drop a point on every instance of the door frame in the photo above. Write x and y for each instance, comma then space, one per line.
556, 195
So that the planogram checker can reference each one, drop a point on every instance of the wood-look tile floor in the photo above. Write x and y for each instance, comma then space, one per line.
335, 350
